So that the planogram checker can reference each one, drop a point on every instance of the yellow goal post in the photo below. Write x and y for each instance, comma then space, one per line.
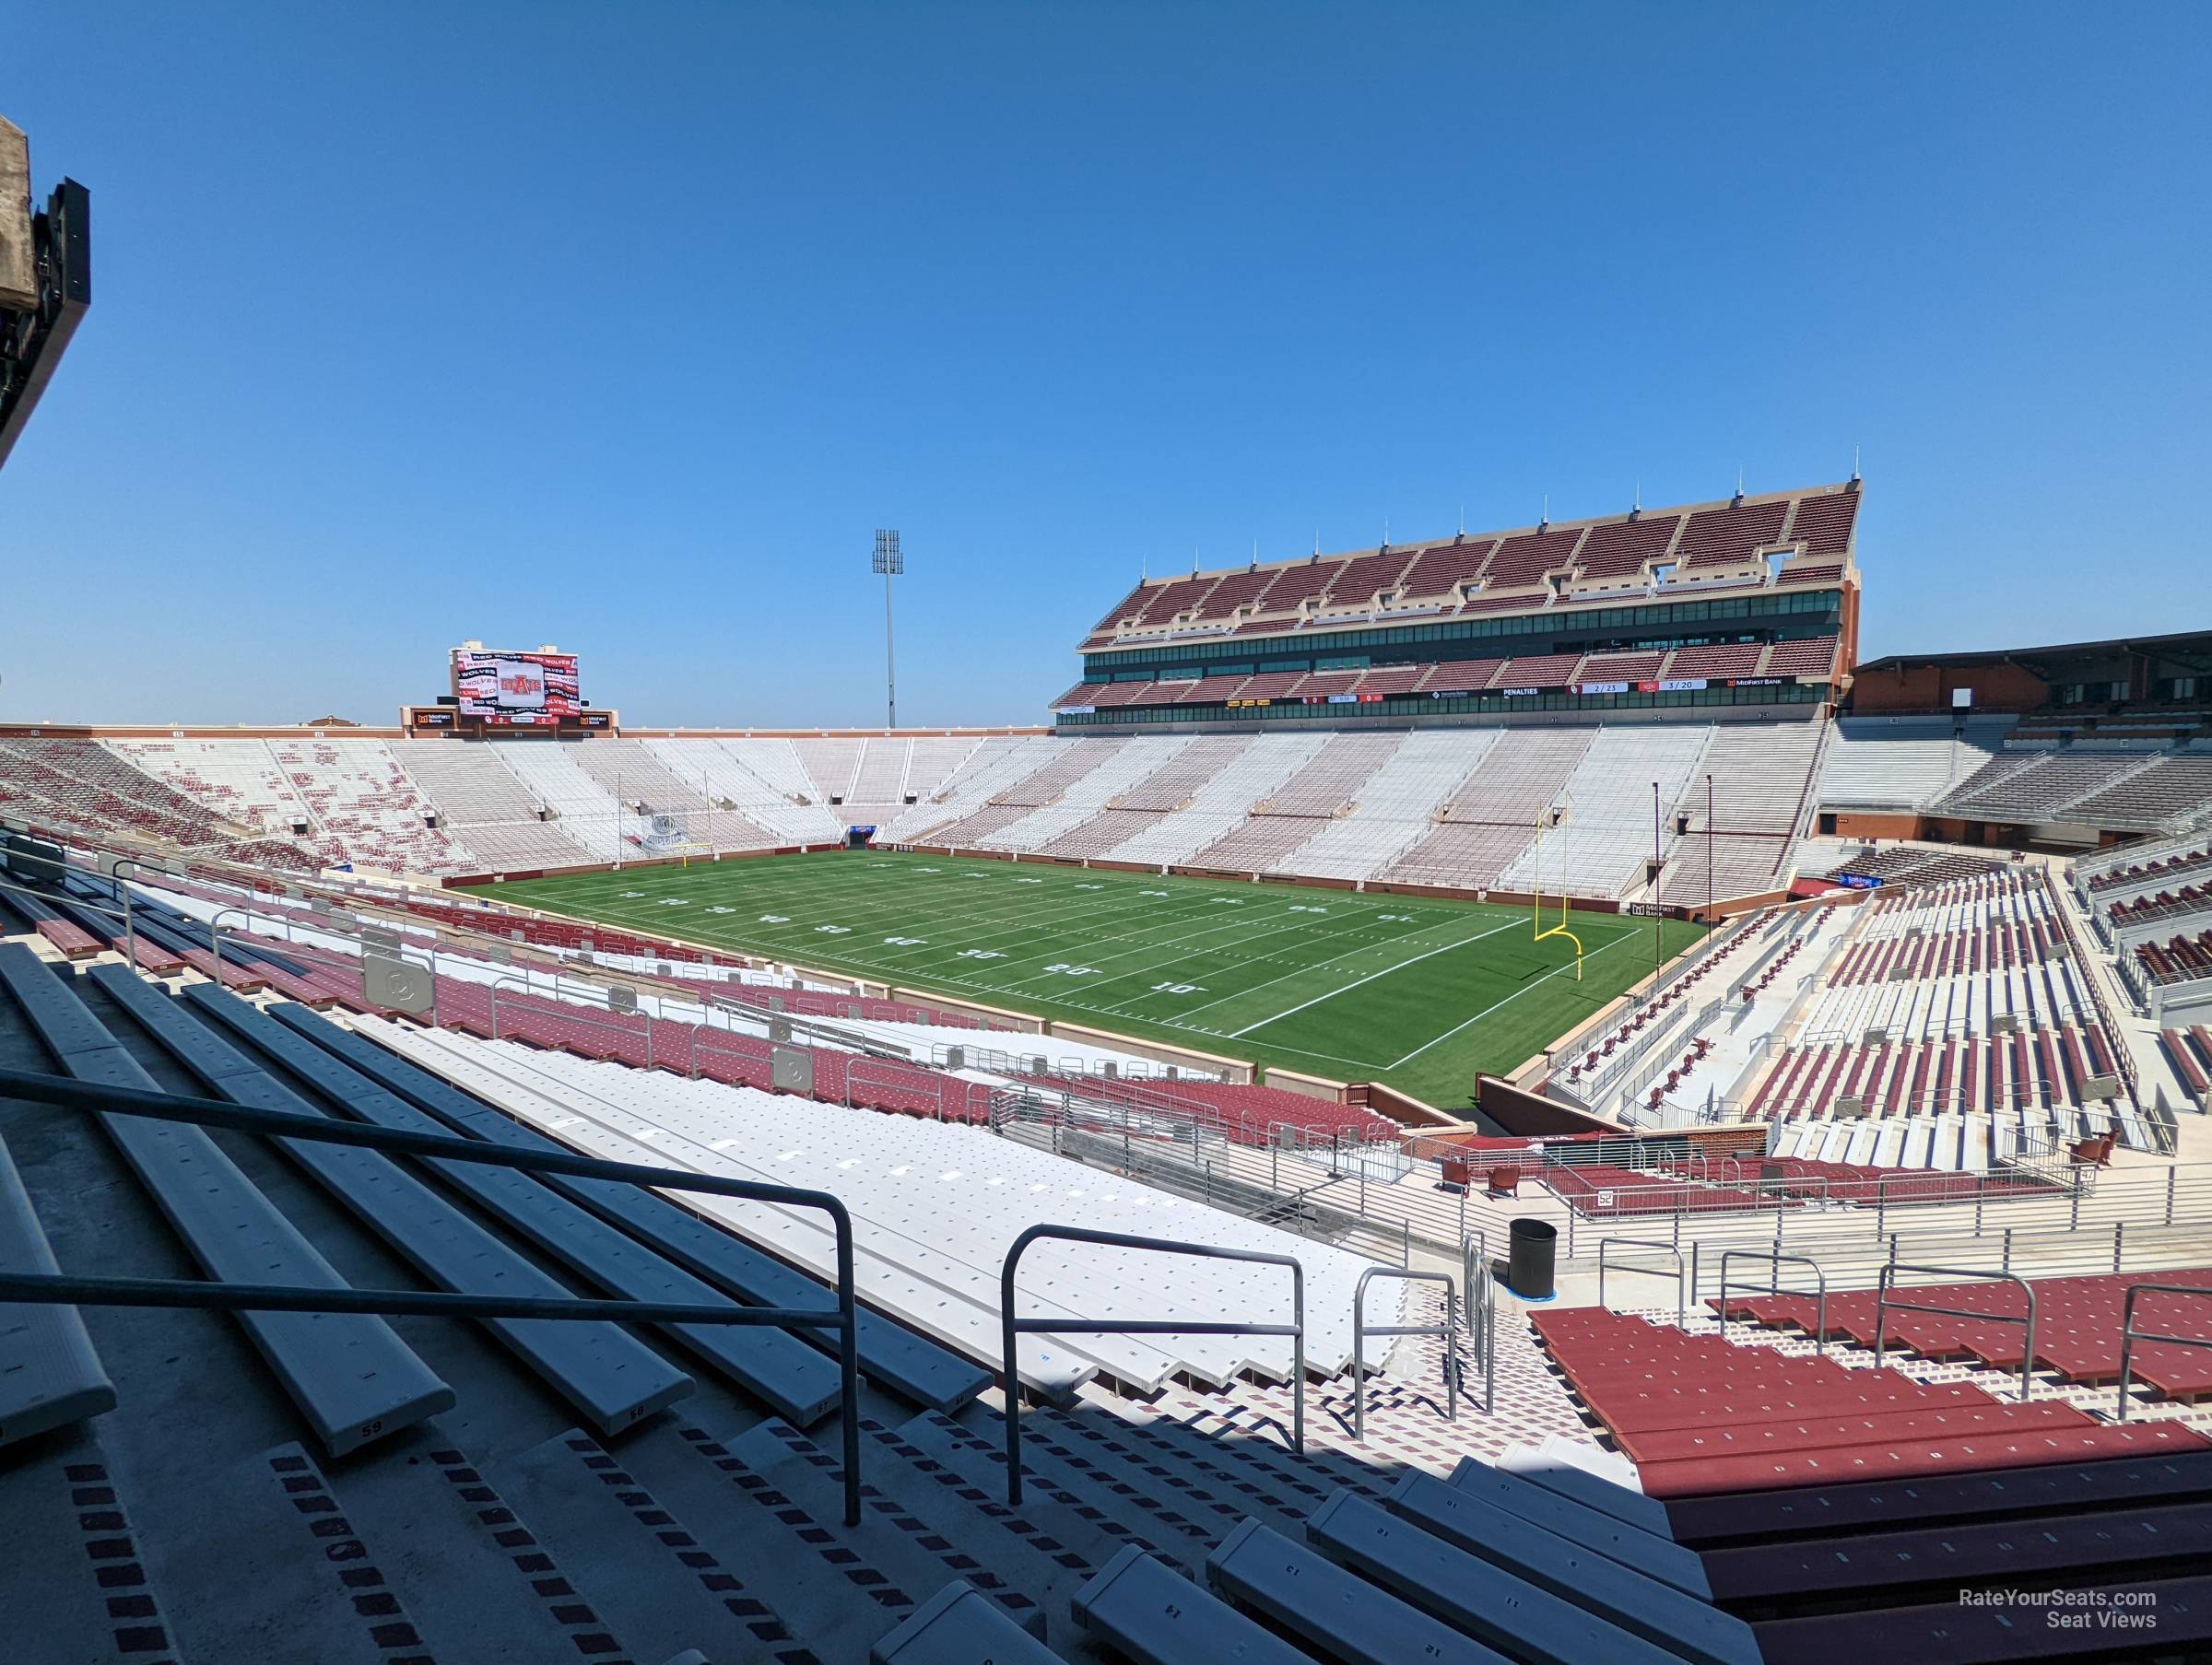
1554, 818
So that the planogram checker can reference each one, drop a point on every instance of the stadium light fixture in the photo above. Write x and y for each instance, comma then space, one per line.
890, 561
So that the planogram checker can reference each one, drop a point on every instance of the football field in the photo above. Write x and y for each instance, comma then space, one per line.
1418, 994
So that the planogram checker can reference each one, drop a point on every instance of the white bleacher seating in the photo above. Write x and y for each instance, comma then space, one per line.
1397, 804
999, 762
636, 773
1897, 762
762, 780
1080, 792
588, 813
1150, 801
490, 810
830, 766
1331, 780
1492, 818
1606, 840
935, 1206
1222, 801
367, 806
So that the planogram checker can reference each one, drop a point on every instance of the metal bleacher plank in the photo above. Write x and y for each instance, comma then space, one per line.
2157, 1619
1636, 1602
598, 1367
800, 1382
1579, 1524
959, 1626
1470, 1594
1330, 1611
50, 1375
2070, 1489
352, 1378
1917, 1456
1152, 1614
891, 1357
2168, 1540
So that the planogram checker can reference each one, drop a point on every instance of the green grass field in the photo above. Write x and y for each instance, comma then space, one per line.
1418, 994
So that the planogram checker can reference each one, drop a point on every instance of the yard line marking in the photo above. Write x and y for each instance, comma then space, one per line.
1395, 936
1509, 999
1401, 966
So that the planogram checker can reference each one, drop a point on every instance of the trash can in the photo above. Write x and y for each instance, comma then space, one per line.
1528, 1269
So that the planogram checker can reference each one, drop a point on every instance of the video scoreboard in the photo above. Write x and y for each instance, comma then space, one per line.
497, 690
515, 690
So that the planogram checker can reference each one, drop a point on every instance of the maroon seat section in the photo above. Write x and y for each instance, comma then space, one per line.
1700, 1414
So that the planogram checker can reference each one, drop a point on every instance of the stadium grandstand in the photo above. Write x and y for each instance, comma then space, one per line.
569, 1026
1497, 1098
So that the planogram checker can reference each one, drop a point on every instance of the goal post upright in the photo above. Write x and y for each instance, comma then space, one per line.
1553, 816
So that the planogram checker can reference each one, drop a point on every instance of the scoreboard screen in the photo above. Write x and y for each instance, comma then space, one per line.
518, 689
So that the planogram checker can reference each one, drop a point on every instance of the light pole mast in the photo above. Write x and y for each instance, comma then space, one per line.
891, 563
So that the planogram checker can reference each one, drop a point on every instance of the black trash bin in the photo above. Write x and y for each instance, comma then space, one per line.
1528, 1267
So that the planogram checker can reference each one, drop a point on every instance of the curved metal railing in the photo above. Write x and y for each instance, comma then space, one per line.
1014, 1326
42, 1288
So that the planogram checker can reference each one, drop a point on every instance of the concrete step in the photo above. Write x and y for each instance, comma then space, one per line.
834, 1593
655, 1584
65, 1511
1033, 1558
779, 1466
263, 1562
1210, 1495
479, 1580
1282, 1480
1091, 1520
1338, 1459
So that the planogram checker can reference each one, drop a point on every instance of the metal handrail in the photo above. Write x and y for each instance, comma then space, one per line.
215, 937
1482, 1315
1775, 1258
1449, 1330
2130, 1335
1883, 1305
1649, 1271
530, 991
1012, 1326
18, 1288
49, 899
115, 864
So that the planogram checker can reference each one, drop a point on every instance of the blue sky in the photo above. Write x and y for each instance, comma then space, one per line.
622, 327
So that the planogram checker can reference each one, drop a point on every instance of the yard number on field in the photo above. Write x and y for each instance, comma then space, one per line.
1179, 988
1070, 970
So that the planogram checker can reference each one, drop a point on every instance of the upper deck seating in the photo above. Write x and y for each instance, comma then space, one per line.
1725, 538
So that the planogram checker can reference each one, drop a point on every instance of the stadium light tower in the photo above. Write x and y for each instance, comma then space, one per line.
891, 563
